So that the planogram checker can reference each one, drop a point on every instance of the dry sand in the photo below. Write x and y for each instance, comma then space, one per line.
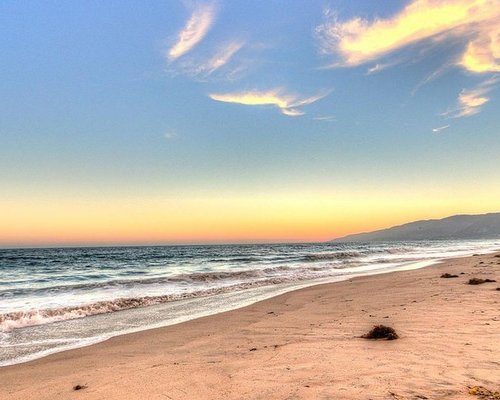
301, 345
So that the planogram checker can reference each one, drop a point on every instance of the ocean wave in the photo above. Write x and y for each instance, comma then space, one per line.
347, 255
215, 276
21, 319
235, 259
245, 279
339, 255
398, 250
194, 277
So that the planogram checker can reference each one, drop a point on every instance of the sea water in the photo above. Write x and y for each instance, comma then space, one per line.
56, 299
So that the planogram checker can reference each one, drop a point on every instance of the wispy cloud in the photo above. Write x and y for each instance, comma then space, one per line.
470, 101
358, 40
169, 135
326, 118
381, 66
292, 112
202, 68
222, 57
196, 28
441, 128
287, 104
377, 68
432, 76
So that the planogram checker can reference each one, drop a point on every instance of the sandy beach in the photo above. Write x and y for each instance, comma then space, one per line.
304, 344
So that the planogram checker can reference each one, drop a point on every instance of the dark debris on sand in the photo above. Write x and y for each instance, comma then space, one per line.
484, 393
479, 281
447, 275
79, 387
381, 332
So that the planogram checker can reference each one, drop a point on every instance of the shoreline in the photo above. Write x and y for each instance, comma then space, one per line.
243, 298
237, 299
292, 321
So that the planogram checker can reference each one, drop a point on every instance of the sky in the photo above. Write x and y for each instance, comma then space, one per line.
168, 122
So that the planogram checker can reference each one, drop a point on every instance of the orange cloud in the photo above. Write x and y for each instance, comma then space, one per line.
470, 101
358, 41
286, 103
483, 53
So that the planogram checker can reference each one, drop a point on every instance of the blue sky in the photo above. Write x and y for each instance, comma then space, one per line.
196, 100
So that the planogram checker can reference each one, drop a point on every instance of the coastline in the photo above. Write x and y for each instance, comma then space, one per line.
302, 344
180, 311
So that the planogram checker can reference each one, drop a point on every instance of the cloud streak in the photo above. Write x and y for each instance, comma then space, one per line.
204, 67
441, 128
378, 68
326, 118
470, 101
286, 103
222, 57
196, 28
358, 40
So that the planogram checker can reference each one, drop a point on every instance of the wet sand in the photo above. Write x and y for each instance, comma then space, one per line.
304, 344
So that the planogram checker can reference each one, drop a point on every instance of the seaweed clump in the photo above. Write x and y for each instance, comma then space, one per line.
479, 281
381, 332
484, 393
447, 275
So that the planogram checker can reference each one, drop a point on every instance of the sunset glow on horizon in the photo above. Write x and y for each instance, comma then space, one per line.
227, 219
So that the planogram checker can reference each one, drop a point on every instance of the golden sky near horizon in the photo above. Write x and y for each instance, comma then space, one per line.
225, 219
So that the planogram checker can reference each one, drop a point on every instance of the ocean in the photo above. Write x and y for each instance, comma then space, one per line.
57, 299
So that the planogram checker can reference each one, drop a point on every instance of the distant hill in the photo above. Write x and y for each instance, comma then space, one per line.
485, 226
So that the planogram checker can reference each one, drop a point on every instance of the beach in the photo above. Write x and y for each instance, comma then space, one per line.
305, 344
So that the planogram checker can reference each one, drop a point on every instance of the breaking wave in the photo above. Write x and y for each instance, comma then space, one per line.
340, 255
21, 319
347, 255
244, 280
100, 281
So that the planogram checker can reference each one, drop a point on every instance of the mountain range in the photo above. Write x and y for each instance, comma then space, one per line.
484, 226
